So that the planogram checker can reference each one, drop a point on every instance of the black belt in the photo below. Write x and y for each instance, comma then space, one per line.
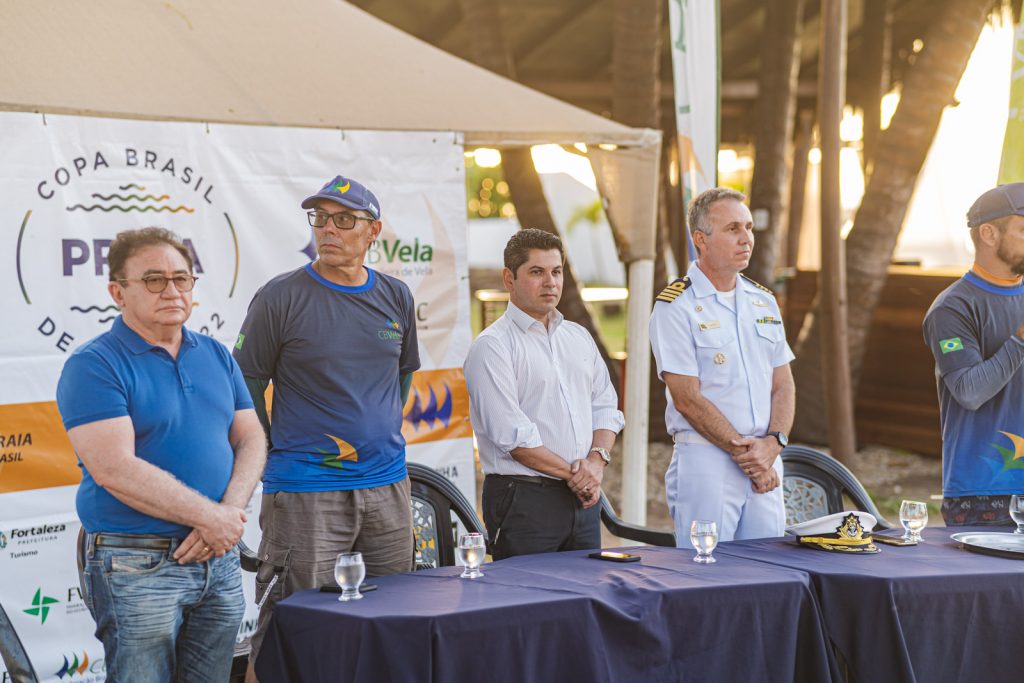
104, 540
527, 479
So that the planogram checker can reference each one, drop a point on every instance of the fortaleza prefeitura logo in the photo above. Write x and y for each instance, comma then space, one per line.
76, 211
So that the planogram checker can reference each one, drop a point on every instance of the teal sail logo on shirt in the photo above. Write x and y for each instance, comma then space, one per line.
954, 344
1012, 458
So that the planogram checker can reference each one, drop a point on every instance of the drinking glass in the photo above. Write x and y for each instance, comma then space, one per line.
704, 537
349, 572
913, 517
471, 554
1017, 512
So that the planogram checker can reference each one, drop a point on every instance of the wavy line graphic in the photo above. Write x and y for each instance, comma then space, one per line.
125, 198
127, 209
130, 186
107, 319
98, 309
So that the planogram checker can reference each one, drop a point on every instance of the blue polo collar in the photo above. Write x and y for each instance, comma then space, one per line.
137, 345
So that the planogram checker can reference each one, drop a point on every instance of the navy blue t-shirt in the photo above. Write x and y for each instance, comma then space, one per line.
181, 410
335, 355
970, 329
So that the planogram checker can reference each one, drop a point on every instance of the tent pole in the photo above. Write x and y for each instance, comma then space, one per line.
835, 357
637, 395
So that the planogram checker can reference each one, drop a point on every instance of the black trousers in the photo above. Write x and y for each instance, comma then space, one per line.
526, 515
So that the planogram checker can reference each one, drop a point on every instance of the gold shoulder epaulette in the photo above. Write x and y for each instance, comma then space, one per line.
757, 284
673, 290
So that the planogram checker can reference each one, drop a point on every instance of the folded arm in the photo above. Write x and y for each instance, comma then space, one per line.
107, 450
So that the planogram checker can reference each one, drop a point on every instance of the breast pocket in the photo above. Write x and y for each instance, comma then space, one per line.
769, 337
717, 356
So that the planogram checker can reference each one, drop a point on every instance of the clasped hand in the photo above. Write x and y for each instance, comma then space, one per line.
755, 456
219, 533
585, 481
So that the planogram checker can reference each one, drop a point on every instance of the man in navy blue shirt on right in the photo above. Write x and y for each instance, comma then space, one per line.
338, 341
975, 330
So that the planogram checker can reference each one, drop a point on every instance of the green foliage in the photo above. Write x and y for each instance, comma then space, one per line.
591, 213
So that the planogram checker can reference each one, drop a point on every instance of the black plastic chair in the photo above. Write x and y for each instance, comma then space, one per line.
632, 532
19, 666
437, 504
814, 485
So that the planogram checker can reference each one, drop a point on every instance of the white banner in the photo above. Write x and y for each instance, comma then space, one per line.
693, 26
70, 184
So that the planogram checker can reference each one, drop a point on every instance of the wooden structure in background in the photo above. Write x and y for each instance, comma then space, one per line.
897, 404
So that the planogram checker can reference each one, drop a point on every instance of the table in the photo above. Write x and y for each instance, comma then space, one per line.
560, 616
931, 612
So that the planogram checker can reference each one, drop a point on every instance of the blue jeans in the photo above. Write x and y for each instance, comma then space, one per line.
160, 621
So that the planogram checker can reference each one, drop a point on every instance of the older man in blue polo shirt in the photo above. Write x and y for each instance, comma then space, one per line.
170, 449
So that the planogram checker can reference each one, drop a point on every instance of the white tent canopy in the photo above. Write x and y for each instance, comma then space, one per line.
321, 64
317, 63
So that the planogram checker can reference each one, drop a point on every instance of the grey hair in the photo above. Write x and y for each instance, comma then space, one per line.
700, 206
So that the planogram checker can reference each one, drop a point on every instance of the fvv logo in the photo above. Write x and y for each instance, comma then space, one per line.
41, 606
76, 211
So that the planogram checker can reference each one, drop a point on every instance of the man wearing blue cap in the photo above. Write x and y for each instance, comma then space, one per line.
338, 341
975, 330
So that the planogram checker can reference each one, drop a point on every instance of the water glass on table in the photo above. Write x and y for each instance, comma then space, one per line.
913, 517
349, 572
472, 549
704, 537
1017, 512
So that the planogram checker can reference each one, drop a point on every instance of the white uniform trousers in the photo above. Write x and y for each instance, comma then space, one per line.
703, 482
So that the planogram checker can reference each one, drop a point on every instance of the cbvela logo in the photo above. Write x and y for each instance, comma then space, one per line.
81, 668
41, 606
3, 540
392, 332
80, 204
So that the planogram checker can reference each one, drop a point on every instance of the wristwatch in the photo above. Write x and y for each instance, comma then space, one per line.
603, 452
780, 437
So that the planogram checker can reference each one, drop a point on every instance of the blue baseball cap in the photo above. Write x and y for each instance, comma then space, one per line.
1005, 200
349, 193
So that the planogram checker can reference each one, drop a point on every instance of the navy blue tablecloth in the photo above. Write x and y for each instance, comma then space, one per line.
560, 616
931, 612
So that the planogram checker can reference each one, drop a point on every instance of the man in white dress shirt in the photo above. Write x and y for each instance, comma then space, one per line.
721, 350
543, 409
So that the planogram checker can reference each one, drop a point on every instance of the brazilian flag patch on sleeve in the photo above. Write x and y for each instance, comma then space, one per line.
950, 345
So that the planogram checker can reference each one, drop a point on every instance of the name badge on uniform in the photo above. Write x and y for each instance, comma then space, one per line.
710, 325
759, 302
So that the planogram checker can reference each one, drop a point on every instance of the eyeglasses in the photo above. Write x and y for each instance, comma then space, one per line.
343, 221
158, 283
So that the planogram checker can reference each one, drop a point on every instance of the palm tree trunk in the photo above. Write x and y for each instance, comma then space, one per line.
491, 52
927, 90
776, 109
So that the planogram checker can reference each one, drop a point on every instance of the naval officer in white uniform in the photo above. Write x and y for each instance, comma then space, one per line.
721, 350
